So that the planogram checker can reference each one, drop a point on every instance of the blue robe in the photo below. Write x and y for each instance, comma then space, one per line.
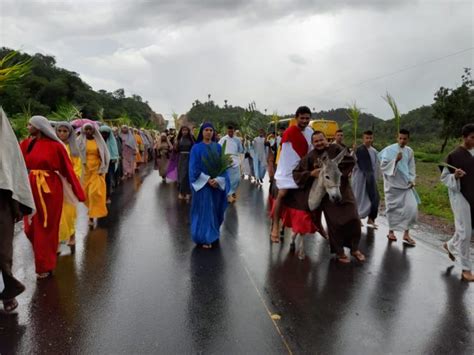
208, 203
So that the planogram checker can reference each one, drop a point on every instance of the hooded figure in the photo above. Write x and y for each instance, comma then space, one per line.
209, 193
129, 150
16, 200
51, 175
67, 227
108, 135
96, 166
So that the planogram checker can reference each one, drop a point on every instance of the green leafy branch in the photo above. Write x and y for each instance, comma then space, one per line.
217, 162
11, 73
396, 113
353, 112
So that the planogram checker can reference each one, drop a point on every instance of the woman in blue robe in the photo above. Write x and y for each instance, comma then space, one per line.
209, 195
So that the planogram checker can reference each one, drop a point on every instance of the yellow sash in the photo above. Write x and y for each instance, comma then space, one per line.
42, 186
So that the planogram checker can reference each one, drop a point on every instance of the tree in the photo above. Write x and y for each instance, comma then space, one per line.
454, 107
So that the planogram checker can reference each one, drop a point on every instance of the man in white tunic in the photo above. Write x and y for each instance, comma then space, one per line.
295, 144
260, 156
459, 178
397, 163
234, 148
364, 179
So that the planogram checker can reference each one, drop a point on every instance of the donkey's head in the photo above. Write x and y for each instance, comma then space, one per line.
331, 175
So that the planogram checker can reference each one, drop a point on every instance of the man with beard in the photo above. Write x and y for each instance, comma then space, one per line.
341, 217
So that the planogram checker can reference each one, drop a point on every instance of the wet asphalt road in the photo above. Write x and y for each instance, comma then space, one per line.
137, 285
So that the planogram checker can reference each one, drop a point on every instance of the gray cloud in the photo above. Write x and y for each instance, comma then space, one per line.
279, 53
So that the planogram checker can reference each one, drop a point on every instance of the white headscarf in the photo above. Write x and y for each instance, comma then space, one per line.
103, 150
13, 173
44, 126
72, 140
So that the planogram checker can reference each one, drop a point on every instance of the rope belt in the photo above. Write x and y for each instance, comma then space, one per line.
42, 186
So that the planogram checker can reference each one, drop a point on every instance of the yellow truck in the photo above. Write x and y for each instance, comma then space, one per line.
328, 127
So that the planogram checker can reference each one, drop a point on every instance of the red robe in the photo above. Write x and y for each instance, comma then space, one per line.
44, 158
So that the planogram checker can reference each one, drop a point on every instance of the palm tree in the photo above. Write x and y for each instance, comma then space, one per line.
225, 103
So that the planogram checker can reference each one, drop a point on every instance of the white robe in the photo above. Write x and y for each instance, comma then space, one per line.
364, 205
401, 200
288, 161
460, 243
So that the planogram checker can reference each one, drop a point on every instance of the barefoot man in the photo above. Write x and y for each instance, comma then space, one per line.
397, 162
460, 183
296, 143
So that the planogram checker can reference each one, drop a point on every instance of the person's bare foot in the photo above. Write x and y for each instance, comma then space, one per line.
180, 197
207, 246
467, 276
358, 255
450, 255
10, 305
275, 236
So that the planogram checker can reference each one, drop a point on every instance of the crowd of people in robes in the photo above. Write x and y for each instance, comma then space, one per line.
45, 177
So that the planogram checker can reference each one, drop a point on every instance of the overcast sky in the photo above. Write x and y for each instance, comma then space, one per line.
280, 54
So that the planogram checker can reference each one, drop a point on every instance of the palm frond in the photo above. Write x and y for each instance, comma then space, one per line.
396, 113
353, 112
66, 112
216, 162
11, 73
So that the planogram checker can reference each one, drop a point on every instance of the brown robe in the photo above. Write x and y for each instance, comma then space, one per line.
342, 218
462, 159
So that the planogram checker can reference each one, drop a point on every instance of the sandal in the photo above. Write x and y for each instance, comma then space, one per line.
343, 259
358, 255
392, 237
10, 305
44, 275
450, 255
275, 238
409, 241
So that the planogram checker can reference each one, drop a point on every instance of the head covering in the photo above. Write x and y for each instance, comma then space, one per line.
128, 138
72, 141
180, 134
44, 126
13, 173
203, 127
111, 142
103, 150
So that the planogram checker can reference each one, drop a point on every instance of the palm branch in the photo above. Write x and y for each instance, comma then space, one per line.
10, 73
216, 162
353, 112
396, 113
66, 112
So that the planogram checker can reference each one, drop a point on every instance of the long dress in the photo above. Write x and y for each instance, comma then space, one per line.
260, 158
162, 158
44, 158
341, 217
184, 149
364, 182
208, 203
94, 183
234, 148
401, 199
461, 197
141, 147
67, 225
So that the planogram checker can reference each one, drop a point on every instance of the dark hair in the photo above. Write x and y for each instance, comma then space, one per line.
302, 110
316, 133
339, 131
368, 133
190, 134
467, 130
230, 126
405, 131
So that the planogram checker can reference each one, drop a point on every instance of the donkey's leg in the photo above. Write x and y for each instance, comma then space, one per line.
301, 254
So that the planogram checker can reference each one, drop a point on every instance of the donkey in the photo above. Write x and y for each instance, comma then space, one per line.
328, 182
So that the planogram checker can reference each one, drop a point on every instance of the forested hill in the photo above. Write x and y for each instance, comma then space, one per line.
48, 88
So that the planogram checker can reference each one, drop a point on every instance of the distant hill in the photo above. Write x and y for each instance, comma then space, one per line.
48, 87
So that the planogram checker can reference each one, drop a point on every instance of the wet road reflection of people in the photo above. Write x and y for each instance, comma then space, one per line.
454, 330
208, 302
